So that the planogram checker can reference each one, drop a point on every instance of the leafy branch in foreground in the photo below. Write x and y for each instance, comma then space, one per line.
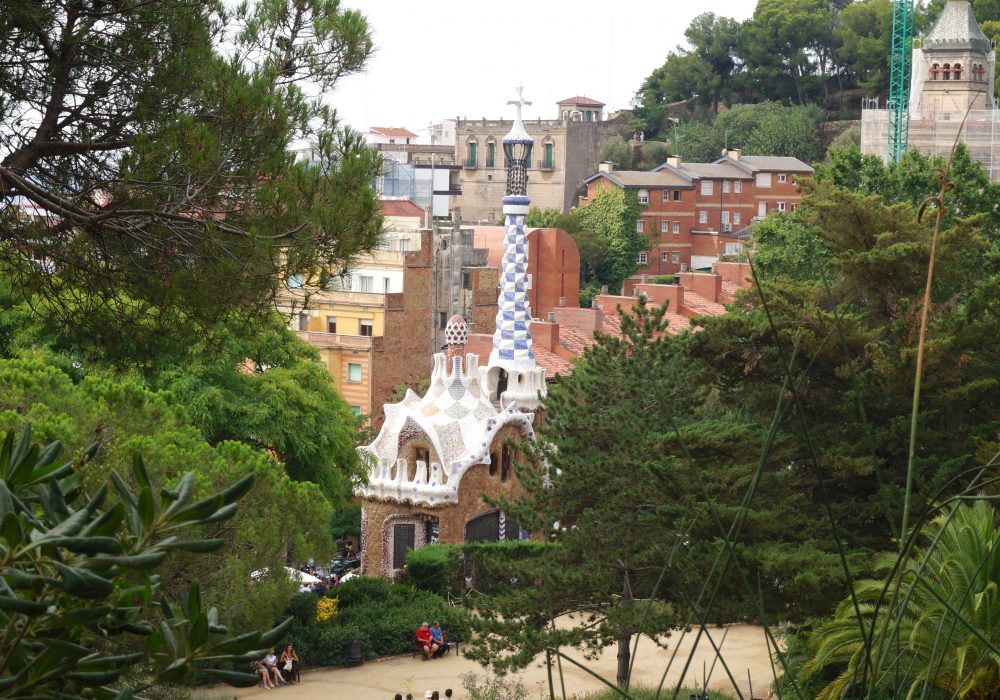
943, 628
77, 572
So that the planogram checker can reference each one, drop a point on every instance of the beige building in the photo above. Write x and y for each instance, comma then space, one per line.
951, 94
566, 150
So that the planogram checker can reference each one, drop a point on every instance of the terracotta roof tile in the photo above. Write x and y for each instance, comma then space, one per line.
401, 207
581, 100
393, 132
700, 305
574, 340
554, 364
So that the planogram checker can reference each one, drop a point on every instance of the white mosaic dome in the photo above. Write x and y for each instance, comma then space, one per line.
457, 331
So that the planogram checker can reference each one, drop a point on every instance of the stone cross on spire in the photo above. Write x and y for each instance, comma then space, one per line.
518, 103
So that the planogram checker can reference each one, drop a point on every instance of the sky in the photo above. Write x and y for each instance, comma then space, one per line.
438, 59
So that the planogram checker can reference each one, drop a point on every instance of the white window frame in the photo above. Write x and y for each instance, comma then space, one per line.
725, 186
360, 373
665, 256
725, 217
675, 257
328, 320
666, 195
642, 258
761, 209
763, 180
737, 219
706, 187
664, 226
366, 323
644, 197
640, 226
737, 186
781, 206
702, 217
782, 178
677, 227
366, 283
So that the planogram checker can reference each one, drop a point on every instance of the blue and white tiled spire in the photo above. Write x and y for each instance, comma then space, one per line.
512, 337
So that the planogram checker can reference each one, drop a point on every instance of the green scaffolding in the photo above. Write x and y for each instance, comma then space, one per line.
899, 78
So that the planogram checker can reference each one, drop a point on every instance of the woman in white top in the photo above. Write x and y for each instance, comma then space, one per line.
271, 664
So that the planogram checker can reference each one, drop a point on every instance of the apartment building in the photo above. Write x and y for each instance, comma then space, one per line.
695, 213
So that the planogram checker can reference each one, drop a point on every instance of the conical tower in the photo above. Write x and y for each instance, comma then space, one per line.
512, 375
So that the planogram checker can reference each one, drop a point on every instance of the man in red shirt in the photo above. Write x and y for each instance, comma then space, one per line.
426, 640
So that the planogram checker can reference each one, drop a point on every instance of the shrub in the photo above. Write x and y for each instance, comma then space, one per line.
664, 279
361, 589
436, 568
383, 616
493, 563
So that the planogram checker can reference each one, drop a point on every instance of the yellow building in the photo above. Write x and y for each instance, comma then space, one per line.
372, 337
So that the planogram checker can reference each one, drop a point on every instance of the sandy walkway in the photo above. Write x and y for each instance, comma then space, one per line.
744, 650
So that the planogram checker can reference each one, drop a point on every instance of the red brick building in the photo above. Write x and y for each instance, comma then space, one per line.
694, 213
553, 263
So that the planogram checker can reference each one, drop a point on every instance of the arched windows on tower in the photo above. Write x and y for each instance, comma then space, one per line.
956, 71
935, 71
946, 71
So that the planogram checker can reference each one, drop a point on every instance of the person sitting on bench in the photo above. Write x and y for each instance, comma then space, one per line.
426, 640
437, 634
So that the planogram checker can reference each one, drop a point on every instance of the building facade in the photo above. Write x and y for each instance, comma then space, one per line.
696, 213
951, 94
566, 150
437, 455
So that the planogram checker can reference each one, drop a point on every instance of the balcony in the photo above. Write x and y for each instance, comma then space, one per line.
336, 340
470, 164
547, 166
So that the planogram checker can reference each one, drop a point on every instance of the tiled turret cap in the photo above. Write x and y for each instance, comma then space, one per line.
457, 330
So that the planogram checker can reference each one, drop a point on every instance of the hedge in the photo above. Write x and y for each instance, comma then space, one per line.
382, 615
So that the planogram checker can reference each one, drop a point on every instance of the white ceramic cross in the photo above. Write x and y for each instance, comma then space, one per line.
519, 102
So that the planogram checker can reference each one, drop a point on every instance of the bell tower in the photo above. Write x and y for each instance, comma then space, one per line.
957, 64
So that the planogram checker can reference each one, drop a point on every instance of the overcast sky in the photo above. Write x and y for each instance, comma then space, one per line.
445, 58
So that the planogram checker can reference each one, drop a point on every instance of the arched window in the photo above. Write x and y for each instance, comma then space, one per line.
935, 69
956, 71
946, 69
472, 152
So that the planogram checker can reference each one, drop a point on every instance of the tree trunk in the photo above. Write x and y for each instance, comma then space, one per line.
624, 655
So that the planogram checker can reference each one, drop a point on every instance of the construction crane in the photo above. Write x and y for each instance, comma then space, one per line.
898, 104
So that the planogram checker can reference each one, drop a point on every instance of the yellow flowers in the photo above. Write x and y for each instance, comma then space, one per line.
325, 609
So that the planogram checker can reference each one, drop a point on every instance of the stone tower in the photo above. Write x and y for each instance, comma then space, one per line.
953, 70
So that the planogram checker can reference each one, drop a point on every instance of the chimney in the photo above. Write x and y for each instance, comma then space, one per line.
545, 334
552, 317
604, 289
674, 161
562, 302
734, 153
606, 166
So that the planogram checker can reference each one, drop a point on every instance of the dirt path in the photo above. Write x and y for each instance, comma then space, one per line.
744, 650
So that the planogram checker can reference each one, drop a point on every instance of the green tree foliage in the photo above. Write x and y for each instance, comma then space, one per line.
707, 72
541, 218
278, 517
770, 129
156, 138
612, 214
848, 333
607, 492
941, 633
759, 129
80, 569
264, 387
625, 156
862, 39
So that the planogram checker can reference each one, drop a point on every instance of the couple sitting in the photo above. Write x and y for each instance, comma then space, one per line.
274, 671
431, 640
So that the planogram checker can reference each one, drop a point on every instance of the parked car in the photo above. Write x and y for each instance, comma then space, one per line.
339, 567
